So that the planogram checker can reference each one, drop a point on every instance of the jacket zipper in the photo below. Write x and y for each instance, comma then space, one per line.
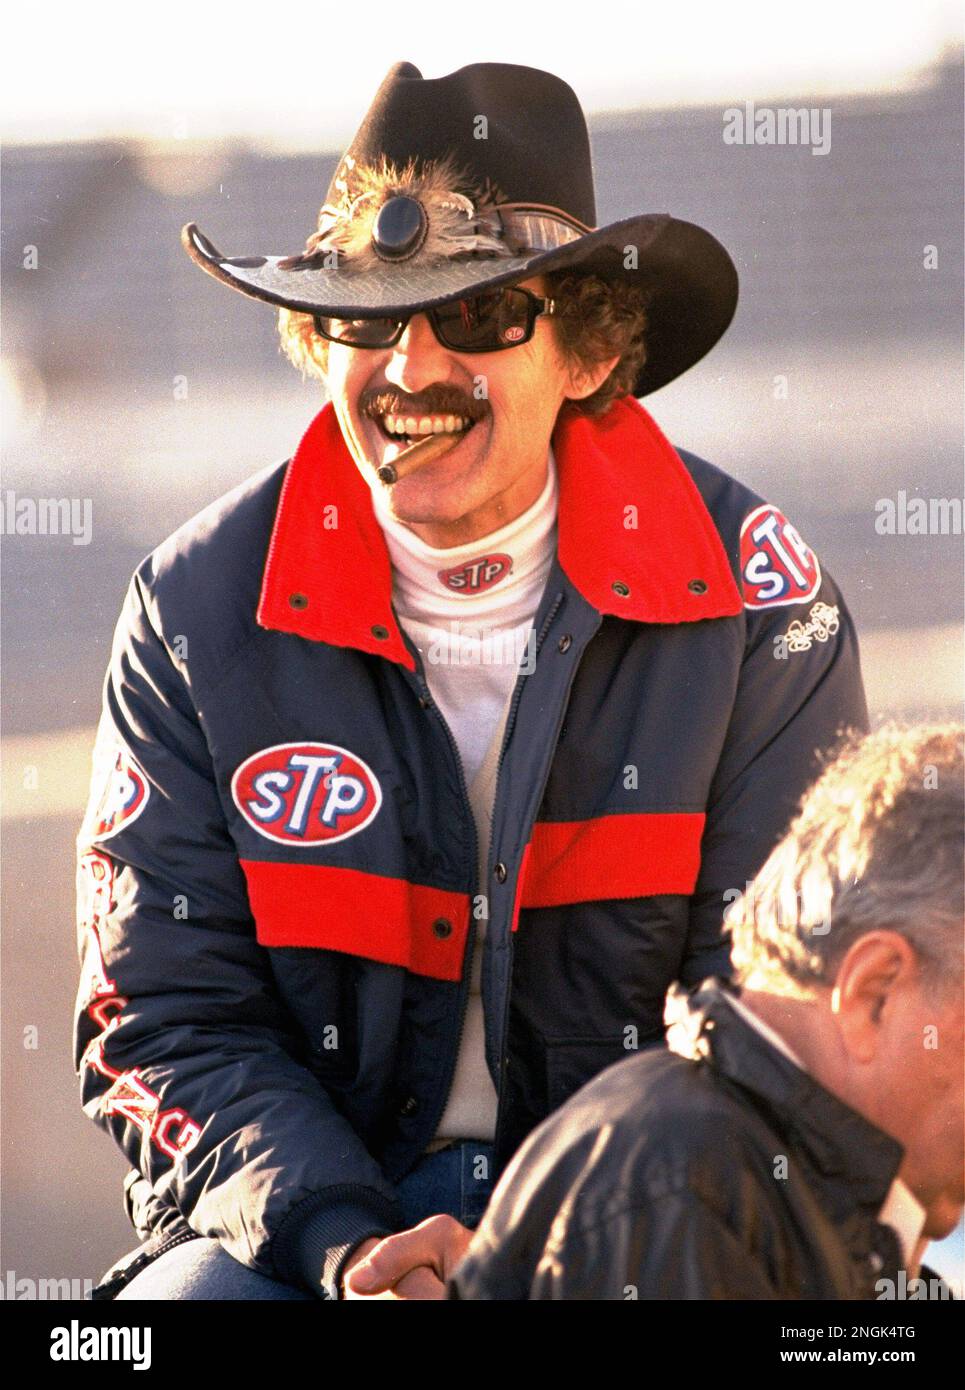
471, 934
504, 1026
511, 717
176, 1240
113, 1286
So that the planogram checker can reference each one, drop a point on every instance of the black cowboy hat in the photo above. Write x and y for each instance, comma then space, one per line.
399, 234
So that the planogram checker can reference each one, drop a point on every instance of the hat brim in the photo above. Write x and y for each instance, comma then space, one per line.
692, 280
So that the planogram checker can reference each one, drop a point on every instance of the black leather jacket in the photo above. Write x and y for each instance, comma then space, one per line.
715, 1170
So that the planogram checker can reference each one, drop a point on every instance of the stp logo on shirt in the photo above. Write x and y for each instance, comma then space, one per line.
475, 576
124, 794
777, 568
306, 793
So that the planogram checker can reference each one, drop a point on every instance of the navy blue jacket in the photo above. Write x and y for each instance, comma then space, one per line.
277, 879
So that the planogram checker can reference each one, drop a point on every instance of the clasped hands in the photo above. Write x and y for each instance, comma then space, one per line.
413, 1264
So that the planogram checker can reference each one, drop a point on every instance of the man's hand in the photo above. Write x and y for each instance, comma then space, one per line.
413, 1264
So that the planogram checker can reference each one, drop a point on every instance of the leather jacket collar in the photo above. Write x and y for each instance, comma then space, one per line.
852, 1162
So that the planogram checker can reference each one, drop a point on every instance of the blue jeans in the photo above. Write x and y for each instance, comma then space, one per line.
201, 1269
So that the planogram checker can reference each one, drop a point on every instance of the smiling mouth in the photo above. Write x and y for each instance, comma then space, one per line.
408, 429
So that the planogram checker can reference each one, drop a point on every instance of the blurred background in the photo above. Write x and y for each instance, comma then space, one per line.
137, 387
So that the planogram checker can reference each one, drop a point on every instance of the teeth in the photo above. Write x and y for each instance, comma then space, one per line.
428, 424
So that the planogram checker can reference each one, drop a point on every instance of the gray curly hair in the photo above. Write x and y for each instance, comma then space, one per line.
877, 846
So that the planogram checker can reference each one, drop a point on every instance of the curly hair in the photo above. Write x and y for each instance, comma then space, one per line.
876, 845
595, 319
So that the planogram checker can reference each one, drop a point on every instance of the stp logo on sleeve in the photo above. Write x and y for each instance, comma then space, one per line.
475, 576
306, 793
777, 568
125, 794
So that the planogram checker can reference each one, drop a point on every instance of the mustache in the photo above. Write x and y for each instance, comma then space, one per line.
434, 400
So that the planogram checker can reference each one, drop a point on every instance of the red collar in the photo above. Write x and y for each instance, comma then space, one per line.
630, 516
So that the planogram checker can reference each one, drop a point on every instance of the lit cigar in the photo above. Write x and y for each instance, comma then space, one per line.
416, 455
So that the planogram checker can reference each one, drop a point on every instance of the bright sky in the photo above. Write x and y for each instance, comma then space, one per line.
296, 74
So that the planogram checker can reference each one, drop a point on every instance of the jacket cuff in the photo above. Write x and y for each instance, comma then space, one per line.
317, 1237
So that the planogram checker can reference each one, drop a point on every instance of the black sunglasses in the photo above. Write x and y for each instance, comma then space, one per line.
489, 322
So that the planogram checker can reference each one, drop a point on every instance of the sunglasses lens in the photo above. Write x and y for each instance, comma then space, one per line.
358, 332
486, 322
483, 323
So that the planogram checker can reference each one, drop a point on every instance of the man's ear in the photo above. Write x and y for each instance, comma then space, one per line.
583, 381
868, 979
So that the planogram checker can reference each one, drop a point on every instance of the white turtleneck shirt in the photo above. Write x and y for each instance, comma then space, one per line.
469, 610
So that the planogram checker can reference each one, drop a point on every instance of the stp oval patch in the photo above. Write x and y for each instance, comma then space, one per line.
777, 568
475, 576
124, 795
306, 794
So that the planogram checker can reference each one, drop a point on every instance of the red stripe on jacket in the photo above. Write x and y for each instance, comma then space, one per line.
424, 929
622, 856
386, 919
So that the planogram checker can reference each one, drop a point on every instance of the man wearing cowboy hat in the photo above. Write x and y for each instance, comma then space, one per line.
428, 758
